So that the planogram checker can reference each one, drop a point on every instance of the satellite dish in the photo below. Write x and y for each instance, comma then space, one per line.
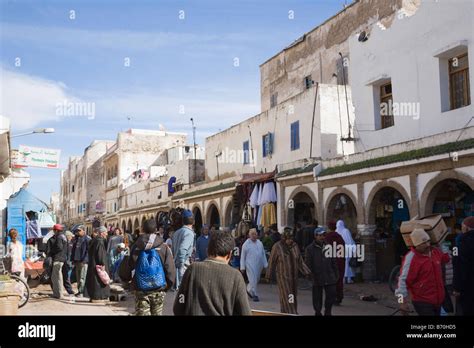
363, 37
171, 182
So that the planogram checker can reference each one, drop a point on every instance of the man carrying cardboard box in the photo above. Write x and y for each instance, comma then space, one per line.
421, 276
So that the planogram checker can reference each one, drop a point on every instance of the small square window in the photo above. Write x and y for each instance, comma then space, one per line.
459, 87
386, 106
274, 100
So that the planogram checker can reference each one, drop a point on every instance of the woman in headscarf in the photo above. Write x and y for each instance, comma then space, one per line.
286, 261
349, 249
97, 290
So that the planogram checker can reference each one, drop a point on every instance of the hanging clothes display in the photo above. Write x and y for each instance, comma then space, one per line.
46, 219
33, 230
254, 196
260, 194
268, 193
259, 208
247, 213
268, 215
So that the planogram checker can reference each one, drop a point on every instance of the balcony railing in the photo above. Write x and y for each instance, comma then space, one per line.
112, 182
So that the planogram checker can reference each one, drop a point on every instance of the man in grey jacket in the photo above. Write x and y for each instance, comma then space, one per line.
325, 272
183, 243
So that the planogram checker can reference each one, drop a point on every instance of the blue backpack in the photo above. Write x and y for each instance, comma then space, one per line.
149, 273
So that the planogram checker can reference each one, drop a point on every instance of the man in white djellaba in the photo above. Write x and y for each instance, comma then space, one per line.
253, 261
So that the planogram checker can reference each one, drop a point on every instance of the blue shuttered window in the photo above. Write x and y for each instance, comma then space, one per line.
295, 135
267, 144
246, 152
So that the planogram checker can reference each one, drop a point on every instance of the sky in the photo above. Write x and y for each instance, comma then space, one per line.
137, 64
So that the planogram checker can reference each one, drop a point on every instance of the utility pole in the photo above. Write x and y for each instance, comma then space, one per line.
251, 148
349, 137
217, 163
194, 145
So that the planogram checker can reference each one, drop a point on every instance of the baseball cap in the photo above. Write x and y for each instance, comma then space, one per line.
58, 227
319, 230
80, 227
187, 213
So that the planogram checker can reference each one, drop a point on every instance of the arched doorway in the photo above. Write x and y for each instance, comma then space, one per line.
301, 210
129, 226
341, 207
228, 214
136, 225
197, 220
387, 209
143, 222
454, 199
124, 226
213, 217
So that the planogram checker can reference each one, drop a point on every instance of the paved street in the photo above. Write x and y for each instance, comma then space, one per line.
352, 305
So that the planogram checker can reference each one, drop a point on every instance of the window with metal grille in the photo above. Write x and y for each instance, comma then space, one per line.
459, 89
308, 82
295, 135
386, 106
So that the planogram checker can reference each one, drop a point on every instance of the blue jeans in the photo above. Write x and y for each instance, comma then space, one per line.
179, 274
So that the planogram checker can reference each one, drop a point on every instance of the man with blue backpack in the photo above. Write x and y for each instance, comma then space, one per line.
152, 270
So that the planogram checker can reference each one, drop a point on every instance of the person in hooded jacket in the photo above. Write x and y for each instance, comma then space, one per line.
421, 276
151, 302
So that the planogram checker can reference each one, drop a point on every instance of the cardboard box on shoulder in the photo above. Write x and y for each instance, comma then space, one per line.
433, 225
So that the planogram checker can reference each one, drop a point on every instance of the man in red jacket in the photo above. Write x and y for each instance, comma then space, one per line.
421, 276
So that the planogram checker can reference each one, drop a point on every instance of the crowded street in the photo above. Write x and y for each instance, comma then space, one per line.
42, 304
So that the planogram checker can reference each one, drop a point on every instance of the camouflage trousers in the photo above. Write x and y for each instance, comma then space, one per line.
149, 303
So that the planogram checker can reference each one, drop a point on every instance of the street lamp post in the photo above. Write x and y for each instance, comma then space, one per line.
35, 131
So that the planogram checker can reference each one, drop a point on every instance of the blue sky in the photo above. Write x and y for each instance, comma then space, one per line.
173, 62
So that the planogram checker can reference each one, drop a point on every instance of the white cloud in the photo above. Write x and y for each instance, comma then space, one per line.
129, 40
29, 101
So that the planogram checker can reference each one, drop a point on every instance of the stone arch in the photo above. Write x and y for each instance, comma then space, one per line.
198, 221
429, 192
369, 218
136, 224
213, 214
129, 226
352, 206
143, 221
299, 191
228, 213
124, 225
338, 191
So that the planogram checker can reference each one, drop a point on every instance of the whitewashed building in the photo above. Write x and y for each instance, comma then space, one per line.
11, 179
